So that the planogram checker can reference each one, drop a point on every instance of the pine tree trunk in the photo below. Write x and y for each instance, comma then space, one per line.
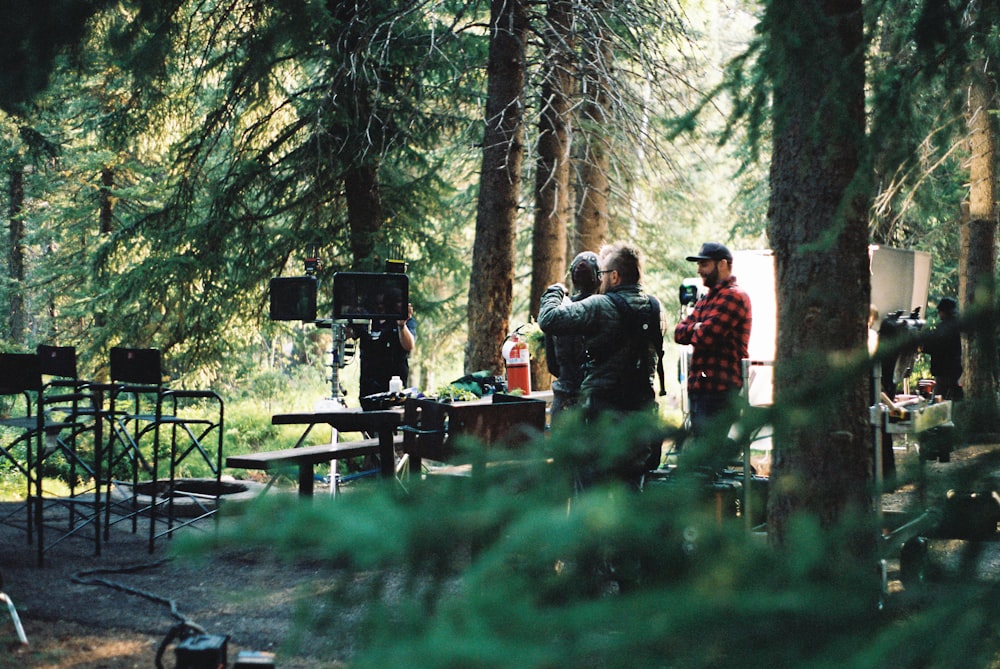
491, 283
818, 229
364, 214
552, 208
107, 200
16, 316
595, 159
980, 378
963, 282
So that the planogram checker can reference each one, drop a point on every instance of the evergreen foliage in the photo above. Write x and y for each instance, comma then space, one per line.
187, 152
38, 31
510, 568
223, 137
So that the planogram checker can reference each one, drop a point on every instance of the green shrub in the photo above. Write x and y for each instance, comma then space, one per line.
510, 568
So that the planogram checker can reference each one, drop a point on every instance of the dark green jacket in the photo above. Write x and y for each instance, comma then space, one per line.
612, 350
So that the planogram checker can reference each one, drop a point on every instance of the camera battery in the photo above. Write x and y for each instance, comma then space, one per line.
254, 659
201, 651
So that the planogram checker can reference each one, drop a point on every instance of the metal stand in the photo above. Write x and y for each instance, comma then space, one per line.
338, 360
340, 355
746, 365
907, 538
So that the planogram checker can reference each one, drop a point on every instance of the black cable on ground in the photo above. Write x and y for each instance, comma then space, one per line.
185, 626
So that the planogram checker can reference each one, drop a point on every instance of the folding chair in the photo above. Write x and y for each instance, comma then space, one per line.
69, 396
22, 434
140, 407
37, 435
424, 431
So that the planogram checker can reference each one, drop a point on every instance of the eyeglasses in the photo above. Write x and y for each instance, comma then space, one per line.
602, 272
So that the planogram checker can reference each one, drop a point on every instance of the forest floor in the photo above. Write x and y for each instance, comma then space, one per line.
73, 622
113, 611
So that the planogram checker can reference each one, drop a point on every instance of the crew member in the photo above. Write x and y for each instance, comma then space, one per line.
621, 326
718, 330
566, 355
944, 345
385, 347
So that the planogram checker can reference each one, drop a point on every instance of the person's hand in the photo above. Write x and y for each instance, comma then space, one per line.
558, 287
409, 314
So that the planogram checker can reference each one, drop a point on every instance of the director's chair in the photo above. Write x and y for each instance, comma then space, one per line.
76, 448
184, 427
36, 434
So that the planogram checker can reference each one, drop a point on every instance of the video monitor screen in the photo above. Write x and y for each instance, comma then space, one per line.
370, 296
293, 298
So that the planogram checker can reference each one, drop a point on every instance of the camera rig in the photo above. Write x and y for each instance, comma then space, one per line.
358, 297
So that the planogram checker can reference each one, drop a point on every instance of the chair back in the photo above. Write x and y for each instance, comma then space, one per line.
57, 360
136, 365
19, 372
424, 431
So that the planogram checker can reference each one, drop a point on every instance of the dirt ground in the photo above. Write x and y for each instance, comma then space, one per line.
249, 596
246, 595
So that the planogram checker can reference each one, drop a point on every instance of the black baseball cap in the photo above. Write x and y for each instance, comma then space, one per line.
712, 251
947, 305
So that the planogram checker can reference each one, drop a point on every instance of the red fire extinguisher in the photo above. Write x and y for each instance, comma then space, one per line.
516, 358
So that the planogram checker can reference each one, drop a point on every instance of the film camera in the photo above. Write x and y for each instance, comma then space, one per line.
896, 324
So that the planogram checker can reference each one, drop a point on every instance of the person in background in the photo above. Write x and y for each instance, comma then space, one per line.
718, 330
566, 355
385, 347
622, 328
873, 316
944, 345
889, 387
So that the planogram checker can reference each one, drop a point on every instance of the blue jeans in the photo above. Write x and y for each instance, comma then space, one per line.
712, 414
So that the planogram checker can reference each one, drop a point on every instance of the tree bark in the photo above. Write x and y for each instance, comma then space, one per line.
822, 467
364, 213
980, 378
15, 270
491, 283
552, 201
595, 160
107, 206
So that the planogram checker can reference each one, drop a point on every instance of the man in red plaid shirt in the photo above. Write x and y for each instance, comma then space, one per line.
718, 329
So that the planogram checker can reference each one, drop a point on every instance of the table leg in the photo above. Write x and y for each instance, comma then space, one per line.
386, 453
305, 480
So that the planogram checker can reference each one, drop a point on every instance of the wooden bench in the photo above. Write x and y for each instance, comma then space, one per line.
306, 458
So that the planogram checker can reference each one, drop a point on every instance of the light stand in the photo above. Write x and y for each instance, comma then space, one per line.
340, 355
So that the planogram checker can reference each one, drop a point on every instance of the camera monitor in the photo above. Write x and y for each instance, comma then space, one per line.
370, 296
293, 298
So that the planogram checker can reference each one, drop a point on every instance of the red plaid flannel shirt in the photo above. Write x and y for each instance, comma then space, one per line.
722, 340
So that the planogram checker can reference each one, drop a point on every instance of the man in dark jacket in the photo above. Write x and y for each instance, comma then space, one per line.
623, 330
385, 349
944, 345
